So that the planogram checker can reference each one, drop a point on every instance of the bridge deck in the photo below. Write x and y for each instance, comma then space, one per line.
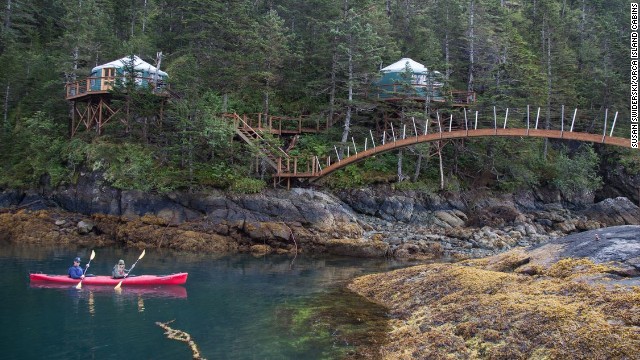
317, 171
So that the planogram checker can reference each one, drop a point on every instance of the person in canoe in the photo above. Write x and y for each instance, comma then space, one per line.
119, 271
75, 272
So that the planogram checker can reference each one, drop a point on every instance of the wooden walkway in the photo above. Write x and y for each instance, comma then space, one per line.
317, 167
282, 125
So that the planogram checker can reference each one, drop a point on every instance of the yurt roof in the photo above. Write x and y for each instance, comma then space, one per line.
401, 65
138, 64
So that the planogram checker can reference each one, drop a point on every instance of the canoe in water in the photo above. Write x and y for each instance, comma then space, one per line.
173, 279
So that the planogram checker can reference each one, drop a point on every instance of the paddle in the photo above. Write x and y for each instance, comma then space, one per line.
93, 254
127, 274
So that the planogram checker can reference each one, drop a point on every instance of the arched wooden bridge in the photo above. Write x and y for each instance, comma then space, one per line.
442, 129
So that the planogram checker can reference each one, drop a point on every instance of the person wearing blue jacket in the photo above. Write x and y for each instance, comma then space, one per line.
75, 272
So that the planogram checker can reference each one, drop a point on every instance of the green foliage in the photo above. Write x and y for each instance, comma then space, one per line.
578, 173
313, 145
215, 175
246, 185
422, 186
347, 178
38, 151
125, 166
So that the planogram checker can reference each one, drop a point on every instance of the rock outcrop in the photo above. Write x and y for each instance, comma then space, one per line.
580, 302
363, 222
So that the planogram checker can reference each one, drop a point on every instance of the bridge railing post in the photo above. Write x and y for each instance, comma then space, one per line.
562, 122
393, 133
506, 115
615, 117
354, 146
604, 132
466, 123
527, 119
495, 121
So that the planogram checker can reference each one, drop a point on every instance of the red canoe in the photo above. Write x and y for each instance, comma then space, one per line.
173, 279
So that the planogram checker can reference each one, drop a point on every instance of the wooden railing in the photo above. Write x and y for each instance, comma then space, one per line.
398, 90
285, 124
588, 126
101, 85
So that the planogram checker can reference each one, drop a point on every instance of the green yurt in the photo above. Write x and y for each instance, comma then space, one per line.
407, 78
103, 76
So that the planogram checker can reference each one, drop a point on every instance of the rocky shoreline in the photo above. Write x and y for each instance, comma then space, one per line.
572, 298
362, 223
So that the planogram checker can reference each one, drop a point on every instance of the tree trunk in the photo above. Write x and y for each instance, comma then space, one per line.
5, 117
471, 45
416, 174
549, 82
332, 92
439, 148
347, 120
7, 16
447, 61
400, 175
144, 17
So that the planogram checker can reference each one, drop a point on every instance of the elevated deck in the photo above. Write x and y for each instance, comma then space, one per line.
455, 98
81, 89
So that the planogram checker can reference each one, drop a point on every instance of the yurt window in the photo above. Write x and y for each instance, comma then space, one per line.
108, 72
420, 79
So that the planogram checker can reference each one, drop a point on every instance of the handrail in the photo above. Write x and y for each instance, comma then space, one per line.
247, 126
107, 83
503, 123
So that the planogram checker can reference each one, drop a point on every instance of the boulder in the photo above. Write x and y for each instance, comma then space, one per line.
618, 211
85, 227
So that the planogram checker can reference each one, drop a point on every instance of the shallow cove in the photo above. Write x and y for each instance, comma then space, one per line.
234, 307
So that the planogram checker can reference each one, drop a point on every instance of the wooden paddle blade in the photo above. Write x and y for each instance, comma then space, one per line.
142, 255
79, 286
93, 254
118, 286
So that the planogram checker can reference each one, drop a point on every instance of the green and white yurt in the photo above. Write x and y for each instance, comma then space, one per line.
407, 78
103, 76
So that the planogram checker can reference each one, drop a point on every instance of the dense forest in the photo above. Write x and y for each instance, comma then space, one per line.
315, 57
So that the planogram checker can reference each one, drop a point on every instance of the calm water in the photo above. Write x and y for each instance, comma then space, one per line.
234, 307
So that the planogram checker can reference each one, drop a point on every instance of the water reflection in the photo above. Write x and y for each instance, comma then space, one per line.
92, 304
166, 291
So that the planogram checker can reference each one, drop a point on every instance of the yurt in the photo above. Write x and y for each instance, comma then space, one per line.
103, 76
407, 78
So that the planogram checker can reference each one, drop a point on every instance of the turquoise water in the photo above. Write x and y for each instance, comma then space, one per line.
234, 307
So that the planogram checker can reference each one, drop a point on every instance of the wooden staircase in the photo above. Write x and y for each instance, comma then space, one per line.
271, 154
